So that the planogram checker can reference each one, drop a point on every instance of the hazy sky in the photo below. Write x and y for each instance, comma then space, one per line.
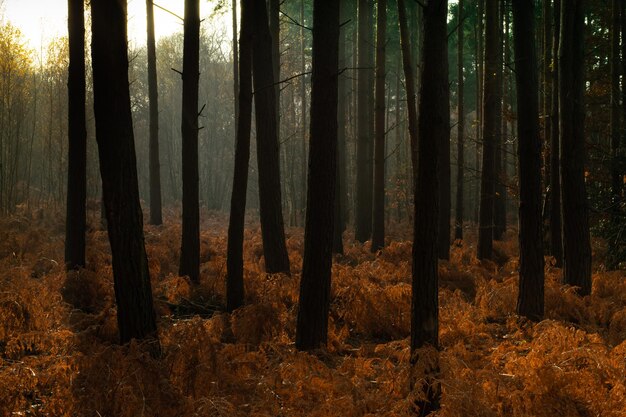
42, 20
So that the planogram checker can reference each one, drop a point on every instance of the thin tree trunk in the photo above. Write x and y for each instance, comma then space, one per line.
118, 169
480, 72
312, 326
460, 161
234, 259
499, 209
530, 302
303, 102
77, 130
378, 225
576, 240
190, 249
556, 241
268, 161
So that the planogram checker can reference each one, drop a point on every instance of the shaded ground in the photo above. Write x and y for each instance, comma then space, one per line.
58, 355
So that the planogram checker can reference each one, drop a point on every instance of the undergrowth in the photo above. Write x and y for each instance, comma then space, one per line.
58, 332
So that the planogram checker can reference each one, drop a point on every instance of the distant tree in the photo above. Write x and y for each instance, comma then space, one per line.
272, 226
434, 128
458, 224
156, 217
378, 225
576, 240
190, 249
234, 260
364, 148
491, 103
77, 135
531, 281
118, 169
312, 327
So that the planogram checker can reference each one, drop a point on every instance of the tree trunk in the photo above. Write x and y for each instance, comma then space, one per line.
118, 169
556, 241
234, 259
190, 249
378, 225
304, 113
480, 82
156, 217
312, 328
268, 161
531, 281
499, 208
364, 169
491, 102
460, 161
77, 136
576, 241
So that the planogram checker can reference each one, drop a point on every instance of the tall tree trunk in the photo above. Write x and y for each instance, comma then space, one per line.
499, 209
378, 225
364, 169
556, 241
156, 217
460, 161
409, 82
312, 328
576, 240
491, 102
274, 26
118, 169
434, 128
531, 281
268, 161
190, 249
234, 259
506, 96
235, 63
77, 136
480, 82
303, 103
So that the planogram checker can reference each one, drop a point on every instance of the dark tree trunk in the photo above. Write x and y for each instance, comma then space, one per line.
460, 161
531, 281
491, 102
234, 259
235, 62
556, 241
576, 240
268, 160
77, 136
312, 328
118, 169
434, 128
499, 208
190, 249
274, 26
156, 217
364, 151
409, 82
480, 82
378, 225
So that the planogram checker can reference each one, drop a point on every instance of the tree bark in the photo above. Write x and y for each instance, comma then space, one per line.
312, 327
530, 302
234, 259
378, 225
77, 136
460, 161
156, 217
491, 102
364, 169
576, 240
118, 169
190, 249
268, 161
499, 208
556, 240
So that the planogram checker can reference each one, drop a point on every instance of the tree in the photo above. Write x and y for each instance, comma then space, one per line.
576, 243
190, 249
499, 202
118, 169
434, 129
312, 328
156, 217
531, 281
77, 135
556, 237
272, 226
491, 103
364, 150
378, 226
458, 224
234, 259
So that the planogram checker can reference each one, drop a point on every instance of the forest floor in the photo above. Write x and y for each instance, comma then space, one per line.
58, 355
